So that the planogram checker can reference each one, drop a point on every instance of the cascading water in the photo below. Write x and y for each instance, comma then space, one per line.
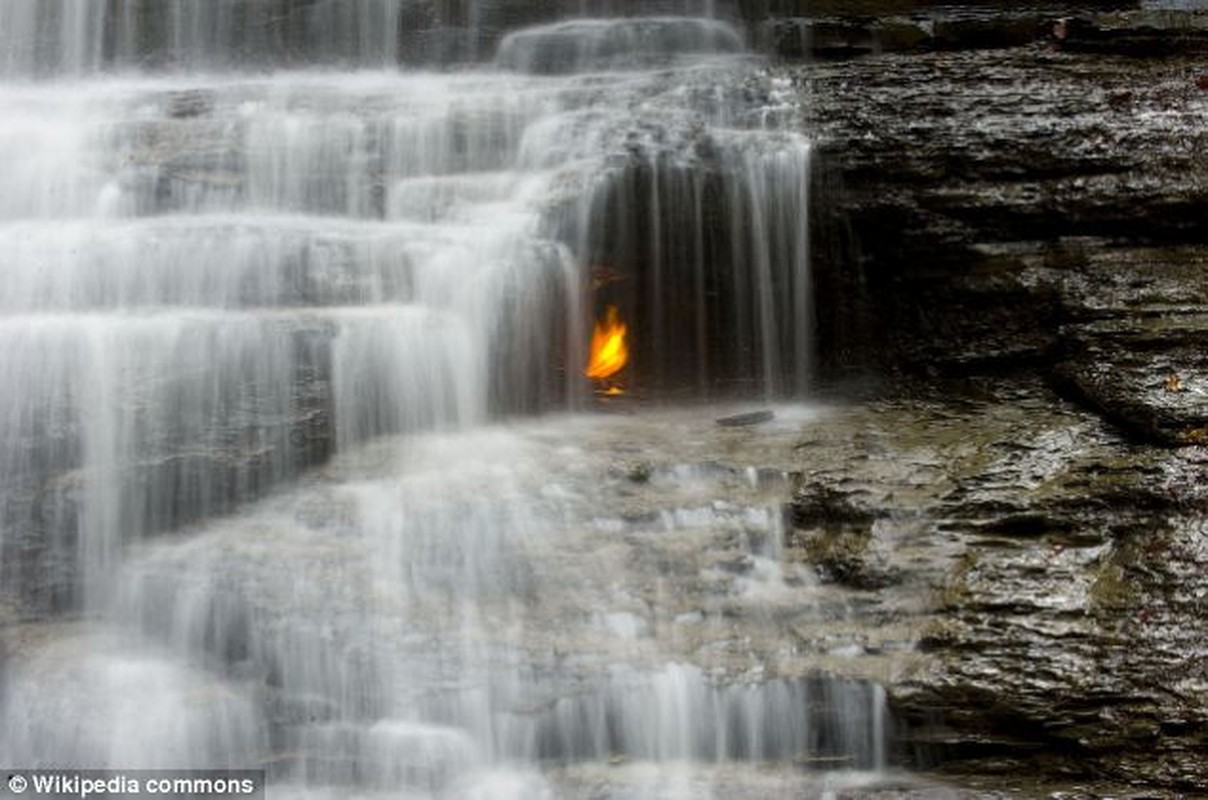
79, 37
217, 277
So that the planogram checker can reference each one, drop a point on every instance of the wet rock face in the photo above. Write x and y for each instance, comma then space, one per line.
1162, 29
1053, 575
1065, 653
1031, 211
829, 30
835, 531
1133, 347
1030, 207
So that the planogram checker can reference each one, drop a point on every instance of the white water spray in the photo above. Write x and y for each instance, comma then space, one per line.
216, 278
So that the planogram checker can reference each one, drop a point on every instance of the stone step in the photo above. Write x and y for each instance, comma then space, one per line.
600, 44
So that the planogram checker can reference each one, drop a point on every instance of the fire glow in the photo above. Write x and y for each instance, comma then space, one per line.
609, 352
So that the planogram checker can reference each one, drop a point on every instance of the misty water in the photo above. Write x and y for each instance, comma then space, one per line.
300, 471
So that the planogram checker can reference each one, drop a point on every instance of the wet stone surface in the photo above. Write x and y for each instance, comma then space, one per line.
1036, 212
1051, 571
1033, 207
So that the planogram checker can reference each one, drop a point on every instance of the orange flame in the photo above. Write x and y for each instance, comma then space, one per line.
608, 349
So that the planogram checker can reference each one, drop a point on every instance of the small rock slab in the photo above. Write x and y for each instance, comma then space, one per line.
745, 419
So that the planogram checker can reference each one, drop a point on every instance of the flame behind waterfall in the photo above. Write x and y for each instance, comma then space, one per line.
609, 352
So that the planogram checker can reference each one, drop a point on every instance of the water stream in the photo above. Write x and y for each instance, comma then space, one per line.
299, 470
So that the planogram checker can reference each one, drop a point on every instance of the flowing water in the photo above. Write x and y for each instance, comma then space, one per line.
299, 470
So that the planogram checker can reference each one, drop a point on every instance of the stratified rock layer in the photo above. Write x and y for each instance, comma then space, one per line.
1052, 574
1034, 212
1021, 207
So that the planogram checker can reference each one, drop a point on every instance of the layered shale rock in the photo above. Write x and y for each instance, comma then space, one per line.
1032, 211
1031, 206
1051, 574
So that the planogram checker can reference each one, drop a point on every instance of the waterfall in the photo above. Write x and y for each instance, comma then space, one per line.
81, 37
277, 318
